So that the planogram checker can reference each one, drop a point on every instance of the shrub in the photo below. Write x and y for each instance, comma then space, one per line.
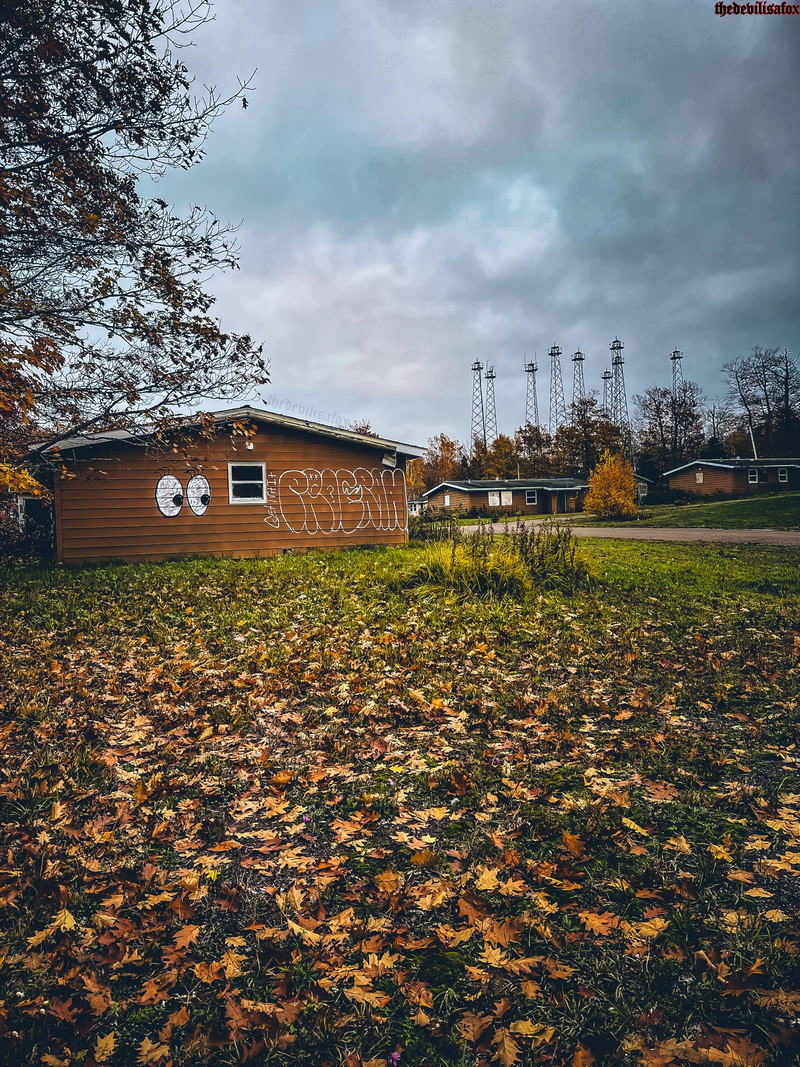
612, 488
517, 561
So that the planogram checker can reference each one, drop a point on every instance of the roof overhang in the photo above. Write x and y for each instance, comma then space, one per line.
246, 412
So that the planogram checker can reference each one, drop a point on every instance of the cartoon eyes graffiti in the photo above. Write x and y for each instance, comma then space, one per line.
170, 495
198, 493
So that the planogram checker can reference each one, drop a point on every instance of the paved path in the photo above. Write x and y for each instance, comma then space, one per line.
664, 533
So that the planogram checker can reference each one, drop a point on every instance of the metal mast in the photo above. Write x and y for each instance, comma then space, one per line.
677, 373
558, 406
606, 378
531, 398
578, 387
491, 410
619, 399
478, 424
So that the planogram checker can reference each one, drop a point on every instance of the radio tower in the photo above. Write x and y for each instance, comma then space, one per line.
578, 387
558, 407
531, 398
491, 410
478, 426
606, 378
619, 399
677, 373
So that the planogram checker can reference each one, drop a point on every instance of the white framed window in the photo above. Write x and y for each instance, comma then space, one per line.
506, 498
783, 474
752, 475
494, 500
698, 477
447, 500
531, 496
247, 483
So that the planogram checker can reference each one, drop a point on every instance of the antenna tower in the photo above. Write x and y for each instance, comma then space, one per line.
578, 387
606, 379
531, 398
677, 373
558, 406
478, 424
491, 410
619, 399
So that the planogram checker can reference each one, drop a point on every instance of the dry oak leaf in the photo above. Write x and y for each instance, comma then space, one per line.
507, 1051
557, 969
472, 1026
388, 881
583, 1057
104, 1047
647, 931
541, 1034
573, 844
150, 1052
599, 922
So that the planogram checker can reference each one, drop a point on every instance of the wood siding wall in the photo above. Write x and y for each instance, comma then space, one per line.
546, 501
732, 482
320, 494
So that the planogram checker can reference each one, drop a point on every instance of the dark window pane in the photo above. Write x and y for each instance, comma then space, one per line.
240, 473
248, 490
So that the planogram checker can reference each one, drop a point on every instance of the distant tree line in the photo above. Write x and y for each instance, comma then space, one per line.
760, 408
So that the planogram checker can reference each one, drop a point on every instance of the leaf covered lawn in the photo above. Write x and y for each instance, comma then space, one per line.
286, 812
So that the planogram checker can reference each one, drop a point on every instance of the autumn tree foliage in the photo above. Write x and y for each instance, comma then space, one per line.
104, 318
444, 458
612, 488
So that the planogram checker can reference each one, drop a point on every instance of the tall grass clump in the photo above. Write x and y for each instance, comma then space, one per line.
549, 554
434, 526
484, 565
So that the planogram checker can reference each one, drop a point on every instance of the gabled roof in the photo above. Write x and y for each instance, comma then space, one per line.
479, 485
258, 415
735, 464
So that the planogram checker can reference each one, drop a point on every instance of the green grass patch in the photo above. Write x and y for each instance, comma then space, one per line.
779, 511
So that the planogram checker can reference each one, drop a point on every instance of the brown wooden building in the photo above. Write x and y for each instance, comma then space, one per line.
520, 496
292, 485
734, 477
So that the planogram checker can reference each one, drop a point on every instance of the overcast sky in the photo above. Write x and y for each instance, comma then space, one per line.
421, 183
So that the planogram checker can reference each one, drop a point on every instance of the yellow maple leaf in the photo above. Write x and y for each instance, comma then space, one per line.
487, 879
104, 1047
63, 920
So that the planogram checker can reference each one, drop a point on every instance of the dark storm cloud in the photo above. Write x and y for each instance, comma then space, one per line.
424, 183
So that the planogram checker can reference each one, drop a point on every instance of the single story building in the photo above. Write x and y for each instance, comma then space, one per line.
284, 484
734, 477
520, 496
416, 506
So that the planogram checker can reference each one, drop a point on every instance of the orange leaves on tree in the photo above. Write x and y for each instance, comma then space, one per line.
612, 488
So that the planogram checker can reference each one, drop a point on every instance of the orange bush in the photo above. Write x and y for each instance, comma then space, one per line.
612, 488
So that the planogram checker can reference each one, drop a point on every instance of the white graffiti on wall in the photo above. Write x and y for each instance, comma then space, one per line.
330, 501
